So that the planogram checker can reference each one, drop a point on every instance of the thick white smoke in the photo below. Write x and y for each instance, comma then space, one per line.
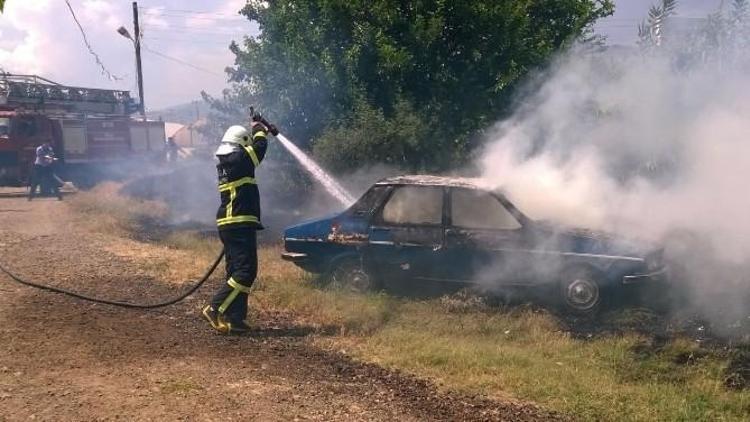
635, 144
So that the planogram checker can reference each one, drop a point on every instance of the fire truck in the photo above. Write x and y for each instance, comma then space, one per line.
90, 129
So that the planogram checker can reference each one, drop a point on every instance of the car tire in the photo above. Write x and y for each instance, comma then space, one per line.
581, 291
349, 274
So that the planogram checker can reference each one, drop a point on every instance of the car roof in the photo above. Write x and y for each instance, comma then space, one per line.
430, 180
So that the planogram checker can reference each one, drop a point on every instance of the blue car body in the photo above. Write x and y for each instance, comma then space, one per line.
451, 230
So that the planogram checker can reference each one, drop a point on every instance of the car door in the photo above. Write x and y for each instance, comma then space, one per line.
406, 233
485, 242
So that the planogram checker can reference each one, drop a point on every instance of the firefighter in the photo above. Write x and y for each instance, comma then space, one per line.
238, 219
43, 175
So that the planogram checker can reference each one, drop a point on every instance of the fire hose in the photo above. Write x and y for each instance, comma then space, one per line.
76, 295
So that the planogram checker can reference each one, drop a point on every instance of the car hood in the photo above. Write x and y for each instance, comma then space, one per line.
587, 241
314, 229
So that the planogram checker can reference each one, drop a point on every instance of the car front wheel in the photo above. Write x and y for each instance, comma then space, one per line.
581, 291
350, 274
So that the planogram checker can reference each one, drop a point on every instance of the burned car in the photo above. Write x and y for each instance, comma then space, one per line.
430, 229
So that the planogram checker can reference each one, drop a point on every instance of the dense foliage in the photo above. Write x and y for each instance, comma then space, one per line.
408, 83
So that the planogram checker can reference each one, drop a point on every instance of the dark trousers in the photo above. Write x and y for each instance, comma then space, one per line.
241, 257
43, 177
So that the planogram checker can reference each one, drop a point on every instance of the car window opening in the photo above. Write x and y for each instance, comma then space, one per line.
474, 209
416, 205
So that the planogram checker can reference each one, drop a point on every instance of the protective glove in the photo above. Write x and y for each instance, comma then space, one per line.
257, 117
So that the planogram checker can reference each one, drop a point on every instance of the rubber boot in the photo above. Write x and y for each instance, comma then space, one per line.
215, 319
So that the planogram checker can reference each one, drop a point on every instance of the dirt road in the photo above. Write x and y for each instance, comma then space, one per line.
61, 359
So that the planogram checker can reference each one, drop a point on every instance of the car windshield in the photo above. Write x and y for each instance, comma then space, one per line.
369, 200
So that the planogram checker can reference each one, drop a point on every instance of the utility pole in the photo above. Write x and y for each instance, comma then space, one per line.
197, 119
139, 70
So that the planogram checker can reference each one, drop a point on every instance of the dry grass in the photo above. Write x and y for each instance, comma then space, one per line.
507, 353
283, 287
179, 257
104, 209
525, 354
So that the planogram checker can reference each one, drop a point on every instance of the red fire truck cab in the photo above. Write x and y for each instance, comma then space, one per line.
86, 127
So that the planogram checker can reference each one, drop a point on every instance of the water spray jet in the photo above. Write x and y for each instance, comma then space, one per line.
329, 183
325, 179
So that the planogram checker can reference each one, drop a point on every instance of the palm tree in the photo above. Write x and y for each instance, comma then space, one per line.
651, 31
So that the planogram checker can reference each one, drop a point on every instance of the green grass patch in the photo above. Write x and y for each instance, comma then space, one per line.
522, 353
525, 355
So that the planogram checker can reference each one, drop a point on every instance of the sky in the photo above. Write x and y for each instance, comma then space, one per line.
40, 37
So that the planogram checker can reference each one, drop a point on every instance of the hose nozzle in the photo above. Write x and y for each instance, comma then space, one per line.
257, 117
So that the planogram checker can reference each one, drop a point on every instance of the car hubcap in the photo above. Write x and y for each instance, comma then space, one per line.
582, 294
352, 277
359, 280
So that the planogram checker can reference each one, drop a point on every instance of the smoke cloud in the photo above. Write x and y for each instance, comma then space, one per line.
644, 144
629, 143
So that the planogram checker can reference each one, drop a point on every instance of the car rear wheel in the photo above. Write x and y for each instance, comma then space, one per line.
350, 274
581, 291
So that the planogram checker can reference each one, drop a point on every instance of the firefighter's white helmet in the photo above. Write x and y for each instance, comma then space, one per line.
237, 135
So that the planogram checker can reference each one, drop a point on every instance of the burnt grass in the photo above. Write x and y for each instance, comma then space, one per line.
737, 373
720, 340
719, 337
154, 230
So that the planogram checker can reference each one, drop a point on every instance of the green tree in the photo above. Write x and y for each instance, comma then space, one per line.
396, 81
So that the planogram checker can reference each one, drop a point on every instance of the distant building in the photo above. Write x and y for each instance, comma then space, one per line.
186, 136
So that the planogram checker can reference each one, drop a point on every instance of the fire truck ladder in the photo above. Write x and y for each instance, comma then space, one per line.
36, 93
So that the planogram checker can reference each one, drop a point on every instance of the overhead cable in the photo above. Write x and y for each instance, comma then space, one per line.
180, 61
105, 71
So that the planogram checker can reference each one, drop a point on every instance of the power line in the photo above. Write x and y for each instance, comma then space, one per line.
182, 62
187, 12
169, 16
190, 40
105, 71
199, 17
192, 29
